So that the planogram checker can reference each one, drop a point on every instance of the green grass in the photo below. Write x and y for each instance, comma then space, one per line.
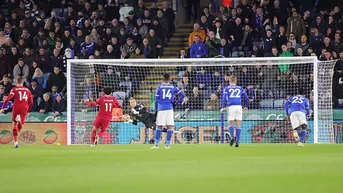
274, 168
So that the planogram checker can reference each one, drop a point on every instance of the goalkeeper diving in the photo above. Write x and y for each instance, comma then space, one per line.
140, 113
295, 107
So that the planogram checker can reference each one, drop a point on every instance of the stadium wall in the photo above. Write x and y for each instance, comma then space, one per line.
260, 126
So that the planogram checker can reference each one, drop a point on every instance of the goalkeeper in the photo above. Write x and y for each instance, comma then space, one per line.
140, 113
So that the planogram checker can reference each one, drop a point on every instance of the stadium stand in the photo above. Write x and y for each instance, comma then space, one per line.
37, 37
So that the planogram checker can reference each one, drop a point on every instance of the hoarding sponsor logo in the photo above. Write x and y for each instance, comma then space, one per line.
5, 137
28, 137
50, 137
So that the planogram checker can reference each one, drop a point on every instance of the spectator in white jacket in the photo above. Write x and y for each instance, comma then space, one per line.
124, 11
21, 70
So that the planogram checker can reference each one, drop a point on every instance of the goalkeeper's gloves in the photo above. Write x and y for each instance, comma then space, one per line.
134, 111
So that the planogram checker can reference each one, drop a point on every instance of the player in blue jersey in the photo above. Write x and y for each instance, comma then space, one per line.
295, 107
164, 102
232, 101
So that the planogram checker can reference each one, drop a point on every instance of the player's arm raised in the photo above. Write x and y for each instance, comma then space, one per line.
9, 97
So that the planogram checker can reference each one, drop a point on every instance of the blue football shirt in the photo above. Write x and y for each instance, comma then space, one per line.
297, 103
165, 95
233, 96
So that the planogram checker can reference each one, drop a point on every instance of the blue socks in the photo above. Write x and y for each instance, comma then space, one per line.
238, 134
302, 136
232, 131
169, 136
158, 136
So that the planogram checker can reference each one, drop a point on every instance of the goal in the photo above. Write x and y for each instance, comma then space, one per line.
268, 83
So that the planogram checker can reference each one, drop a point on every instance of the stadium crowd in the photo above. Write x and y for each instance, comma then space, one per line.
38, 36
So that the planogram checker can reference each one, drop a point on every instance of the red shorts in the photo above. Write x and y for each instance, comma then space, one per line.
19, 116
101, 124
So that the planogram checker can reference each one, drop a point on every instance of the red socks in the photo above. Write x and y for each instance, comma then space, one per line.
15, 133
93, 135
19, 126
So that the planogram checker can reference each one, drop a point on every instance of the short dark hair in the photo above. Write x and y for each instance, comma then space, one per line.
107, 90
166, 77
20, 80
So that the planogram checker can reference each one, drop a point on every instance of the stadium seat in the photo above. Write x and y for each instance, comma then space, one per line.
279, 103
126, 87
266, 104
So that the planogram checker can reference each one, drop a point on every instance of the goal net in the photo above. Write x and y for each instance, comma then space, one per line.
267, 81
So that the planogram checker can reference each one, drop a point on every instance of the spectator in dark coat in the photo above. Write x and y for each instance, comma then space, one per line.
6, 82
37, 93
147, 50
57, 78
13, 59
59, 105
170, 15
268, 42
4, 64
43, 60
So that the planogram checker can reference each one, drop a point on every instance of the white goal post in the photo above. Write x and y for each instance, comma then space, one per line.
270, 80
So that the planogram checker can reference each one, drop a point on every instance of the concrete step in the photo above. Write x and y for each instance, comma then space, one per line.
177, 44
178, 39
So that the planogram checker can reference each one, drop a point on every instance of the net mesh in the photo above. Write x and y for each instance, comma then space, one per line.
268, 82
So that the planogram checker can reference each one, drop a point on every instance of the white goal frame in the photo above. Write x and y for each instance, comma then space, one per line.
195, 62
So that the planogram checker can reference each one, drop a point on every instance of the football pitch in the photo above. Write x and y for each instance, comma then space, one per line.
213, 168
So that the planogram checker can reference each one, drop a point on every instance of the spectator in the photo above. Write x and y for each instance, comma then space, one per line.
40, 78
3, 38
204, 24
6, 82
2, 92
58, 106
109, 53
270, 74
303, 45
147, 50
127, 26
21, 70
32, 69
154, 42
268, 42
198, 49
125, 11
51, 39
296, 25
147, 19
213, 103
54, 92
13, 58
196, 32
281, 37
224, 48
88, 45
258, 20
212, 44
139, 10
290, 47
170, 15
137, 38
56, 60
337, 44
43, 60
28, 56
217, 79
158, 29
163, 21
275, 52
4, 64
37, 93
129, 47
137, 54
183, 54
57, 78
142, 29
9, 105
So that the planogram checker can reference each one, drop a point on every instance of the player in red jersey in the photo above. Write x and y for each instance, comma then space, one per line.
103, 119
23, 102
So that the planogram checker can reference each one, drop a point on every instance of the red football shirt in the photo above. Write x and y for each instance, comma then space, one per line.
22, 98
106, 104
